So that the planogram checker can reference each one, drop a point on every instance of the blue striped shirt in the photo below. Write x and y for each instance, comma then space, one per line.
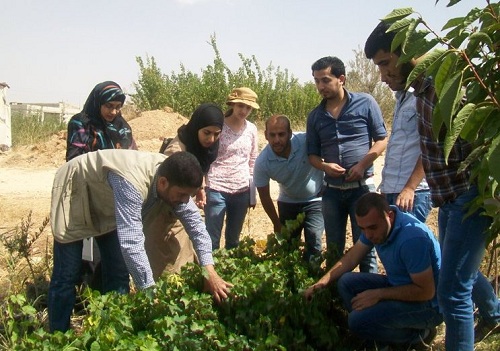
128, 211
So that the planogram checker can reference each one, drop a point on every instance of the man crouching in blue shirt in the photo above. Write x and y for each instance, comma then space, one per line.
399, 308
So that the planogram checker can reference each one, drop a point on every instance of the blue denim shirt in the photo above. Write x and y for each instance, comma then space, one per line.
347, 139
403, 149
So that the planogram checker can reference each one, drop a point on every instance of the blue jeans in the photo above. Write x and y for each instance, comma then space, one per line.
337, 206
66, 275
218, 205
421, 203
388, 321
313, 224
463, 241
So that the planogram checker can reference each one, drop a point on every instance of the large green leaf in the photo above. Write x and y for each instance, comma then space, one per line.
400, 24
483, 176
491, 126
477, 38
412, 49
452, 2
477, 153
457, 41
494, 159
453, 22
450, 96
426, 61
399, 39
434, 67
475, 122
424, 48
444, 70
456, 128
411, 29
437, 122
416, 46
398, 14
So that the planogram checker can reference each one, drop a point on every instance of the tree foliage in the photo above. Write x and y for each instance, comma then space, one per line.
464, 64
278, 90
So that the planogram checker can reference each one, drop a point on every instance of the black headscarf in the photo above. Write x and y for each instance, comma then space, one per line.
205, 115
89, 131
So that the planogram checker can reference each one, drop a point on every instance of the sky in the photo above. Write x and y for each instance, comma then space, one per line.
58, 50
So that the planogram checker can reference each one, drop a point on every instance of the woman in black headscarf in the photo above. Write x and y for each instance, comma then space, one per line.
200, 136
100, 125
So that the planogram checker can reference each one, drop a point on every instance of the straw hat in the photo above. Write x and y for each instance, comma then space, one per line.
244, 95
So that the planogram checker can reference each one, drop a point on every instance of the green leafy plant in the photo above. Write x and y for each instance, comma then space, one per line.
464, 64
266, 309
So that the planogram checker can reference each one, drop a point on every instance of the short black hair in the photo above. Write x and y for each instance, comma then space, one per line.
337, 67
182, 169
372, 200
380, 39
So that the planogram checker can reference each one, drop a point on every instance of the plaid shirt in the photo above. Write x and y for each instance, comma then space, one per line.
445, 182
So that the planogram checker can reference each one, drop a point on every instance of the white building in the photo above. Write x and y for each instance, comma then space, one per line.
5, 119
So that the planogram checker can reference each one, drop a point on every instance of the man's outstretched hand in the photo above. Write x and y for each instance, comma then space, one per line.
217, 286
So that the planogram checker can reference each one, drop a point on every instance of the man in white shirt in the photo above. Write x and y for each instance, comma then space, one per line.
403, 181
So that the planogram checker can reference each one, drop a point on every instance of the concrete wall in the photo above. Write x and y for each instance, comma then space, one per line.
62, 110
5, 120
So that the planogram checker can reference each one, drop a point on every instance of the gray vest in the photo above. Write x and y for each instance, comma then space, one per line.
83, 203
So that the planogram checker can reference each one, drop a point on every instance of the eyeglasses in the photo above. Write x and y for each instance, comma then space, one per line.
111, 106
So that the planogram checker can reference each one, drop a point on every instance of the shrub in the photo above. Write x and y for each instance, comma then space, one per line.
278, 91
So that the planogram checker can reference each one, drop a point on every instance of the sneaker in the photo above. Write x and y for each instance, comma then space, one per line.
484, 329
425, 341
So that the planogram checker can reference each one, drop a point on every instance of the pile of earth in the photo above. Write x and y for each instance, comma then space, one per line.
149, 128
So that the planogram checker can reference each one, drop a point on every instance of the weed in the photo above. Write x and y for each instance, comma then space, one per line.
20, 245
30, 129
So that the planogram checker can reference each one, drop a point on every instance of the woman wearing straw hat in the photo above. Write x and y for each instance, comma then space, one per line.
228, 191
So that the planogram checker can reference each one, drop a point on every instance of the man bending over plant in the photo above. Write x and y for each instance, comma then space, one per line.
139, 194
399, 308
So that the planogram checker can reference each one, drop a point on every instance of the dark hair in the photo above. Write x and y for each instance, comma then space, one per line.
207, 114
280, 118
182, 169
372, 200
380, 39
336, 65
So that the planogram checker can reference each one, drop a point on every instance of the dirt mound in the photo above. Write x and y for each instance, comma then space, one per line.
149, 129
152, 126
